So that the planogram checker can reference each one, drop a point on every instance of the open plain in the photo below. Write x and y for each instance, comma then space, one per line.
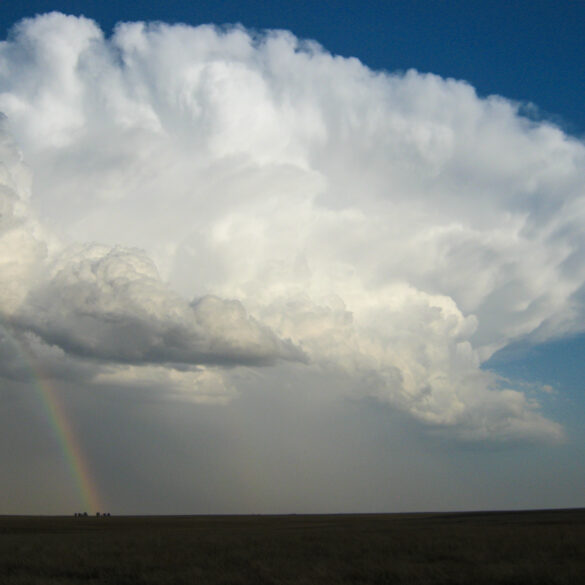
533, 547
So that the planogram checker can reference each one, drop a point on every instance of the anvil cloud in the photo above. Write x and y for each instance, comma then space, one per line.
193, 200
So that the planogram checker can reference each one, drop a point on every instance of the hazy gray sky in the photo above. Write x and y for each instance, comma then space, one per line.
240, 274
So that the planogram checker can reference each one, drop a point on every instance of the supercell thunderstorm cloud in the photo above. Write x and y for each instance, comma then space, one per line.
183, 204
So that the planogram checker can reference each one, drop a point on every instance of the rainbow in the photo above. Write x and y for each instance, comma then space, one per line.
70, 446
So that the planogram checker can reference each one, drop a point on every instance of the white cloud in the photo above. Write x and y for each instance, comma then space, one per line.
109, 303
396, 228
21, 248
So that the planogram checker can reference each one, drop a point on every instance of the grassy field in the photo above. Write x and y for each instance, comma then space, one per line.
542, 547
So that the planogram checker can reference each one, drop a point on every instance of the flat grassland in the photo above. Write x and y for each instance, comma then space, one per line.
535, 547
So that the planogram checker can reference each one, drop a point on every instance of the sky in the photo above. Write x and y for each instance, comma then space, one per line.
291, 257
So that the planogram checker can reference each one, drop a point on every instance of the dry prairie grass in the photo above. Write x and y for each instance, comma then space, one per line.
505, 548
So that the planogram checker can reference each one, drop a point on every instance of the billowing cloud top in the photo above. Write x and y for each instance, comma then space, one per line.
395, 228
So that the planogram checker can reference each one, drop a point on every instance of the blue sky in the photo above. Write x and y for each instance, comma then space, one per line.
262, 278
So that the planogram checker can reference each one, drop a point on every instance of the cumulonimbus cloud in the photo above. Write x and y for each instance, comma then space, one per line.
395, 227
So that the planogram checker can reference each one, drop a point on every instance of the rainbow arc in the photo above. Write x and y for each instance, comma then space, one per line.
61, 425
